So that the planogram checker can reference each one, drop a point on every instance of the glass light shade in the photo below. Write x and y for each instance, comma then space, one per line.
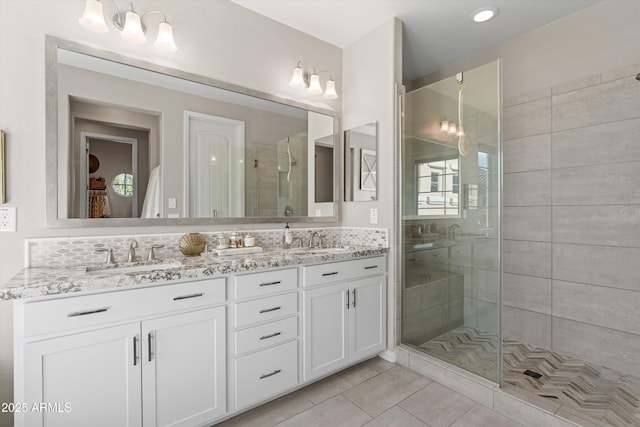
330, 90
453, 129
314, 85
297, 79
132, 31
460, 131
93, 17
164, 41
444, 126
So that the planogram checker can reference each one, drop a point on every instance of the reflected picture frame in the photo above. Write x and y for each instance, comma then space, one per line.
3, 192
367, 169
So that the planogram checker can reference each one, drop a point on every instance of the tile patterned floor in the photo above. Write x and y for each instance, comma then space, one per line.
579, 391
374, 393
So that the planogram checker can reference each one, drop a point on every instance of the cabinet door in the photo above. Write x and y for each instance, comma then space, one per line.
325, 330
367, 317
184, 369
87, 379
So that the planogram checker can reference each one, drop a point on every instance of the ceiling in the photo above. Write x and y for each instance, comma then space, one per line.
436, 33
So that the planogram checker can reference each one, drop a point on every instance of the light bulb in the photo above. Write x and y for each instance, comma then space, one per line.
132, 31
314, 85
297, 78
164, 41
93, 17
330, 90
484, 14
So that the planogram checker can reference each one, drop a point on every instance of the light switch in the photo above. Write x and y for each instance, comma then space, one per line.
172, 203
373, 216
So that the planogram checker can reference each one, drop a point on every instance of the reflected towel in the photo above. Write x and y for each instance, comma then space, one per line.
152, 202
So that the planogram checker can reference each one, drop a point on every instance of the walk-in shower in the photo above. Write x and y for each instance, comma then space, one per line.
450, 220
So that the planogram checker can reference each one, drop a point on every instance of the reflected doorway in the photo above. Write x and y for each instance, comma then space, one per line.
215, 164
110, 173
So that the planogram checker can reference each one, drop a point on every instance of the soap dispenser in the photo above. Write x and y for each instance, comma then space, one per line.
287, 237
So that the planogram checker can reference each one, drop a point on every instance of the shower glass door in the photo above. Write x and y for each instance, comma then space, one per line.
450, 220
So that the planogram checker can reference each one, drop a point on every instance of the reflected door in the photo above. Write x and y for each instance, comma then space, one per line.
216, 166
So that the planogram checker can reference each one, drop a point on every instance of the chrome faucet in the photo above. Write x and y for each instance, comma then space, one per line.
452, 231
152, 254
133, 244
110, 258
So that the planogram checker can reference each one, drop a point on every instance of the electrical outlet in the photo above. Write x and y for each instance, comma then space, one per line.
8, 218
373, 216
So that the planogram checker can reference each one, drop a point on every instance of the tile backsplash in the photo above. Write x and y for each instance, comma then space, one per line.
69, 251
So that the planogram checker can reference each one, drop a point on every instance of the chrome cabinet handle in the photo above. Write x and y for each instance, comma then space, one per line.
135, 350
266, 337
333, 273
263, 376
267, 310
84, 313
277, 282
354, 298
348, 303
149, 336
369, 267
188, 296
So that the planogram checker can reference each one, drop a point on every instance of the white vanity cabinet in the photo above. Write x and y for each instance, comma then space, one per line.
344, 314
143, 357
264, 339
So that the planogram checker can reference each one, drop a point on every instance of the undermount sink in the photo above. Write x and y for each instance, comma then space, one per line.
335, 250
140, 268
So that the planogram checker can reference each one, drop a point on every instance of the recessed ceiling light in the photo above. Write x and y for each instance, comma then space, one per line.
484, 14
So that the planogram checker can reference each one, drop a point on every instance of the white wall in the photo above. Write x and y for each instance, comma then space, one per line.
371, 68
217, 39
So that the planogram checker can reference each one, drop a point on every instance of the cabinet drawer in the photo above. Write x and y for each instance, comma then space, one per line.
259, 284
50, 316
264, 309
345, 270
258, 337
266, 373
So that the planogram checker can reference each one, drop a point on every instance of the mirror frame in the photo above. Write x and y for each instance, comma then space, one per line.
52, 44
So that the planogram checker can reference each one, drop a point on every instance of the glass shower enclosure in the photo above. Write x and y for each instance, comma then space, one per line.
450, 220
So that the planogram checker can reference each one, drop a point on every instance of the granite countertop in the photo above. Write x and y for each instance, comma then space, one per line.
44, 281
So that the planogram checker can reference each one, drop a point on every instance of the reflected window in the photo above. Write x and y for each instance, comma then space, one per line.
122, 184
438, 186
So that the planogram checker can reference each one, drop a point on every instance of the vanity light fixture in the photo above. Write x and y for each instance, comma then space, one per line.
484, 14
129, 23
302, 80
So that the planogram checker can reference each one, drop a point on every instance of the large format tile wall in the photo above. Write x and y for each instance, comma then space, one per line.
572, 219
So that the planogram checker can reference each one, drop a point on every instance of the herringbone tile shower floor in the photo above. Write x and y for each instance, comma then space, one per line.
578, 390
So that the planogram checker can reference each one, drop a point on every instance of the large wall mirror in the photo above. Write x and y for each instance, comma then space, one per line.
135, 143
361, 163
